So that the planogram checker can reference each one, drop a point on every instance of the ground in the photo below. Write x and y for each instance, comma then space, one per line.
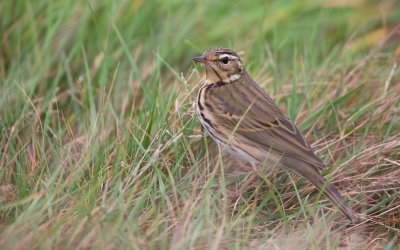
100, 146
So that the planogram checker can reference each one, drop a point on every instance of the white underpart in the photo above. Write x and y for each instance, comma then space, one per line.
240, 153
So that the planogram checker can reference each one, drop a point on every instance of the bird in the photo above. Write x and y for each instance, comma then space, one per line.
243, 119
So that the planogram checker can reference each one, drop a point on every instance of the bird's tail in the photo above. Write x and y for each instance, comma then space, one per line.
311, 173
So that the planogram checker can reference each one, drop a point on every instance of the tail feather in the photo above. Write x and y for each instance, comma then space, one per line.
311, 173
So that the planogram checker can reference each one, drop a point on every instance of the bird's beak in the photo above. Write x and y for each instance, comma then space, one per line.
200, 59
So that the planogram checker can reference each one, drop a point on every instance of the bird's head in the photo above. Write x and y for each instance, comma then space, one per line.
222, 65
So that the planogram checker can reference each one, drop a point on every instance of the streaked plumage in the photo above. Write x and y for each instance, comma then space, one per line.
241, 117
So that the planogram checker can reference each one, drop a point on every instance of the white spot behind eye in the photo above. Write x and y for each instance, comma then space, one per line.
234, 77
231, 78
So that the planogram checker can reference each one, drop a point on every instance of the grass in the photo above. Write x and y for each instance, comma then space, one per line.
100, 147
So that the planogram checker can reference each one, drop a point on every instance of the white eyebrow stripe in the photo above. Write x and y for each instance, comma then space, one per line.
227, 55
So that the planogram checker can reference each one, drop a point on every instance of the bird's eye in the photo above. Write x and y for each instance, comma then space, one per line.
225, 60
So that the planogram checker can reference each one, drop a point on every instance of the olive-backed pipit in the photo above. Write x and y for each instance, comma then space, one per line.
242, 118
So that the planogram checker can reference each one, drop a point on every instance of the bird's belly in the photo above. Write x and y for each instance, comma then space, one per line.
237, 152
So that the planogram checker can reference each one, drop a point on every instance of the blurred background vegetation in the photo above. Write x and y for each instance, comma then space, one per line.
99, 147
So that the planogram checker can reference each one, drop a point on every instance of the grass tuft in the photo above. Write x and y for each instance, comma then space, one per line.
100, 146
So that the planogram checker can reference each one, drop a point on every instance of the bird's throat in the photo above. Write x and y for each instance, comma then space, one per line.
212, 75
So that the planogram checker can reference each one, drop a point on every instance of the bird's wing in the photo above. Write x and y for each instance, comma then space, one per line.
245, 110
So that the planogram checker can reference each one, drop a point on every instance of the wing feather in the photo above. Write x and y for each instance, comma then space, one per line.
259, 120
